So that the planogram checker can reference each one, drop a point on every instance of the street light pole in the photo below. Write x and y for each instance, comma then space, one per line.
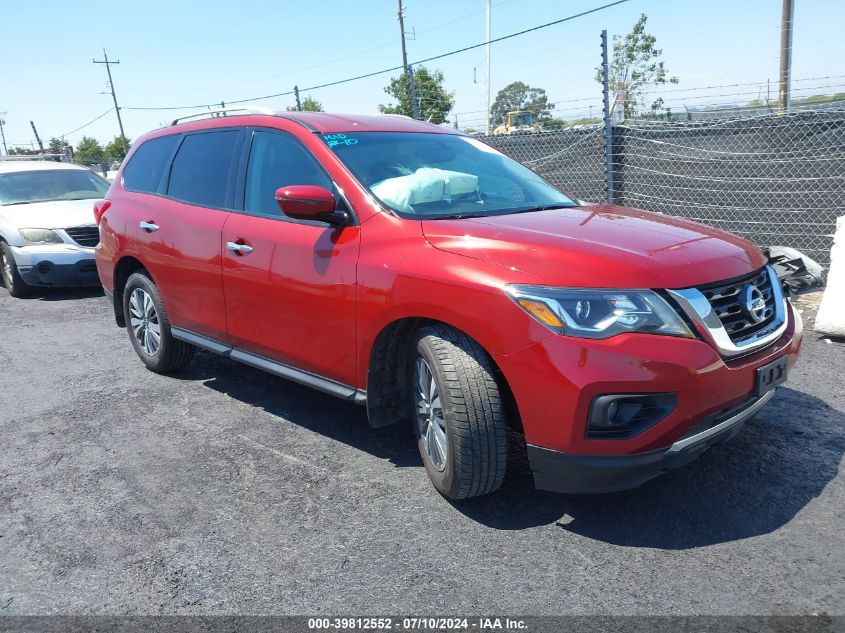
785, 55
489, 11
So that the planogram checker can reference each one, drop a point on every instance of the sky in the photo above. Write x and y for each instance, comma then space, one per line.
175, 53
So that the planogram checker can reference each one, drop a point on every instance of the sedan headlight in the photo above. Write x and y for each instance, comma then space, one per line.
598, 312
40, 236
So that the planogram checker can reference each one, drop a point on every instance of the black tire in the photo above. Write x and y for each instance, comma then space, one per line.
472, 411
170, 353
12, 279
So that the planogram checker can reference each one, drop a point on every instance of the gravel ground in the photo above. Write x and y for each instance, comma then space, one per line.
222, 490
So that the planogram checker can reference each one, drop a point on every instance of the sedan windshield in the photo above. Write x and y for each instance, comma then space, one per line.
432, 176
22, 187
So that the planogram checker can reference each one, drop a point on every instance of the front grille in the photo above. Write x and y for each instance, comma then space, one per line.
728, 302
84, 235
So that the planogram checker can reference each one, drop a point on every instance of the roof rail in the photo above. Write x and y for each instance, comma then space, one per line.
249, 110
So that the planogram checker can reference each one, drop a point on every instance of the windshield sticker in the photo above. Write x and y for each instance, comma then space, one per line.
333, 140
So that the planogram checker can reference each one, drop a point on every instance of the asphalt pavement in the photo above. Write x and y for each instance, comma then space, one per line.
223, 490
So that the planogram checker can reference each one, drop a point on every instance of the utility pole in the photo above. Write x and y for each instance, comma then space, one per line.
409, 73
608, 130
785, 55
114, 98
37, 138
298, 103
2, 133
489, 16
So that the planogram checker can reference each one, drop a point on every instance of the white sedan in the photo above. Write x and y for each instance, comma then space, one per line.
47, 226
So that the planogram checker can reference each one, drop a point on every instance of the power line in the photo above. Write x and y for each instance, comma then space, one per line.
81, 127
394, 68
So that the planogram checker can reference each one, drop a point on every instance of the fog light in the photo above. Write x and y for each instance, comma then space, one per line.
612, 410
624, 415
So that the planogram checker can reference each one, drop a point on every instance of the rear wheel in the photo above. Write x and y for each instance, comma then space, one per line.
459, 419
149, 327
12, 279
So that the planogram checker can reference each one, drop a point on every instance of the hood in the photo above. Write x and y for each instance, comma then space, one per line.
601, 246
55, 214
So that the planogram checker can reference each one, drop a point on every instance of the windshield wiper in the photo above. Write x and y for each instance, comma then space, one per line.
460, 216
545, 207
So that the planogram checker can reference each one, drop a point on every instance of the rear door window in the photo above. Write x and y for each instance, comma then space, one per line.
202, 170
143, 173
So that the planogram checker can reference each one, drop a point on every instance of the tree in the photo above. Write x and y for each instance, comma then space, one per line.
520, 96
116, 150
89, 152
57, 145
434, 101
635, 65
309, 104
555, 124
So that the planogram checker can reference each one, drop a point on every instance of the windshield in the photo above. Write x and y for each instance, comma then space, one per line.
431, 176
22, 187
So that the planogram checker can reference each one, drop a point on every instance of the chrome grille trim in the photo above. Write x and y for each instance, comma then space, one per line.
701, 311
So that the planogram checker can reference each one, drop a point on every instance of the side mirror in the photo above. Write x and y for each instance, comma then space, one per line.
305, 202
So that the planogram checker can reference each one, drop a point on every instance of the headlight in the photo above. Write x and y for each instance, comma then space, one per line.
40, 236
598, 312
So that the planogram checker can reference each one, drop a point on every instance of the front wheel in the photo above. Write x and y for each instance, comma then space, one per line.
12, 279
149, 327
459, 419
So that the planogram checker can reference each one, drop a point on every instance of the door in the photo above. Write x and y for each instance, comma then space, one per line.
289, 284
179, 233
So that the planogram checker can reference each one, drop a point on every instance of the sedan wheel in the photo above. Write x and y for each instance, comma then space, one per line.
12, 279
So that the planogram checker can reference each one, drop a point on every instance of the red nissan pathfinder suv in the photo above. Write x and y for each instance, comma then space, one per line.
423, 274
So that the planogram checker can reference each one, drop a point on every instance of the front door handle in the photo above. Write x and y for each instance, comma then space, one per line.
240, 249
149, 227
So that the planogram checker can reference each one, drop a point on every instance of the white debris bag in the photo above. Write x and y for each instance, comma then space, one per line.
831, 317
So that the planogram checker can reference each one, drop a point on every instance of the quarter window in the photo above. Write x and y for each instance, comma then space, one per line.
147, 164
202, 168
277, 160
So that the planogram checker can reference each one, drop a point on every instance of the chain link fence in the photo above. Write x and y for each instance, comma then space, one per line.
772, 179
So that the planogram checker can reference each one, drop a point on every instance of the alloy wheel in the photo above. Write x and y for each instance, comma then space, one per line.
144, 321
430, 420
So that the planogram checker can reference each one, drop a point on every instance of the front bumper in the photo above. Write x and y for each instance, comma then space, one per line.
56, 265
555, 381
557, 471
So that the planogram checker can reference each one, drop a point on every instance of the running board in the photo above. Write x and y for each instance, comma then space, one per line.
326, 385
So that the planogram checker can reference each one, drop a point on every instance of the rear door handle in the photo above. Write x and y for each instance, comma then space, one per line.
149, 227
241, 249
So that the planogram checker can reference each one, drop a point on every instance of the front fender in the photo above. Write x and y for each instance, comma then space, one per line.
401, 276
